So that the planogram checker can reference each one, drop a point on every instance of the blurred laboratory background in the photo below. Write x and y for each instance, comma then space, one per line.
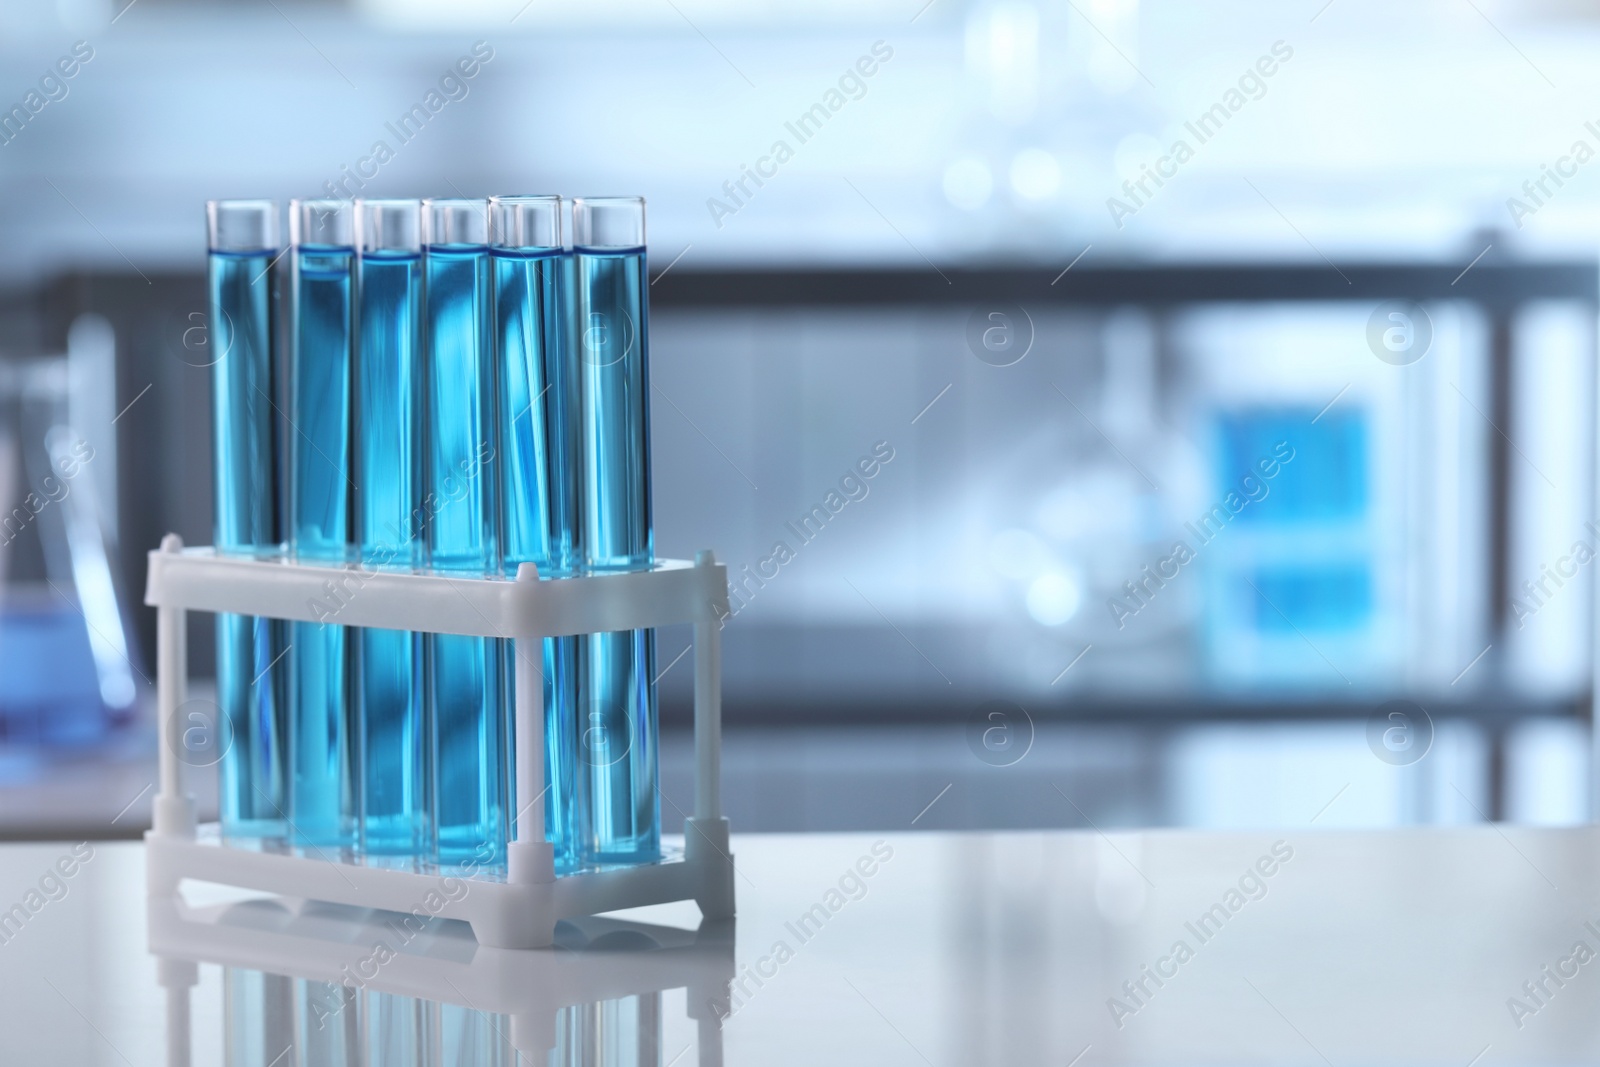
1112, 412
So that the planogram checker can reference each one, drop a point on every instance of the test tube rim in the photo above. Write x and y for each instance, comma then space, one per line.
431, 204
556, 200
580, 203
267, 205
413, 204
625, 198
343, 209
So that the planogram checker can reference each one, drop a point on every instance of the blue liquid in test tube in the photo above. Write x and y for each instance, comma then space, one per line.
323, 800
243, 241
465, 674
618, 811
386, 414
538, 491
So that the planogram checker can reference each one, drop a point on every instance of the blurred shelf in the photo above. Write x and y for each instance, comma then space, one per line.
98, 795
741, 708
1499, 284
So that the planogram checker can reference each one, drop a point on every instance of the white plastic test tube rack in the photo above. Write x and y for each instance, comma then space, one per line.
520, 909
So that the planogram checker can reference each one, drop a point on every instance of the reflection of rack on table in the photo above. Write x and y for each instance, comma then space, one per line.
520, 908
608, 960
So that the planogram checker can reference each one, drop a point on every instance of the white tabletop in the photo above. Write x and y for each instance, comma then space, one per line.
1408, 946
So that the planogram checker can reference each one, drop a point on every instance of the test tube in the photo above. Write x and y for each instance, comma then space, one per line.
323, 801
386, 412
536, 398
465, 674
243, 241
618, 813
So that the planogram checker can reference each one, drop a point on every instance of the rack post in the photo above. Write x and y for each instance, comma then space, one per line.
172, 812
531, 857
705, 837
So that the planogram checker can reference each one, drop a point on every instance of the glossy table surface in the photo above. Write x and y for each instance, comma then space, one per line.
1470, 945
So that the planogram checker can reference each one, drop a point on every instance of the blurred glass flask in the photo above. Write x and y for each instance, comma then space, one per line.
64, 644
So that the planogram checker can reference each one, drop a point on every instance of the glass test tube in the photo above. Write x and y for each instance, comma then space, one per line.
465, 674
536, 400
323, 801
243, 239
386, 412
618, 813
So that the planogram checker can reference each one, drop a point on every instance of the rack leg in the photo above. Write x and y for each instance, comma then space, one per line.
173, 814
706, 835
707, 711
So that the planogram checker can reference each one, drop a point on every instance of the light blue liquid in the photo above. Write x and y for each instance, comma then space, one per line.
250, 695
465, 674
613, 364
323, 801
387, 664
618, 812
538, 493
